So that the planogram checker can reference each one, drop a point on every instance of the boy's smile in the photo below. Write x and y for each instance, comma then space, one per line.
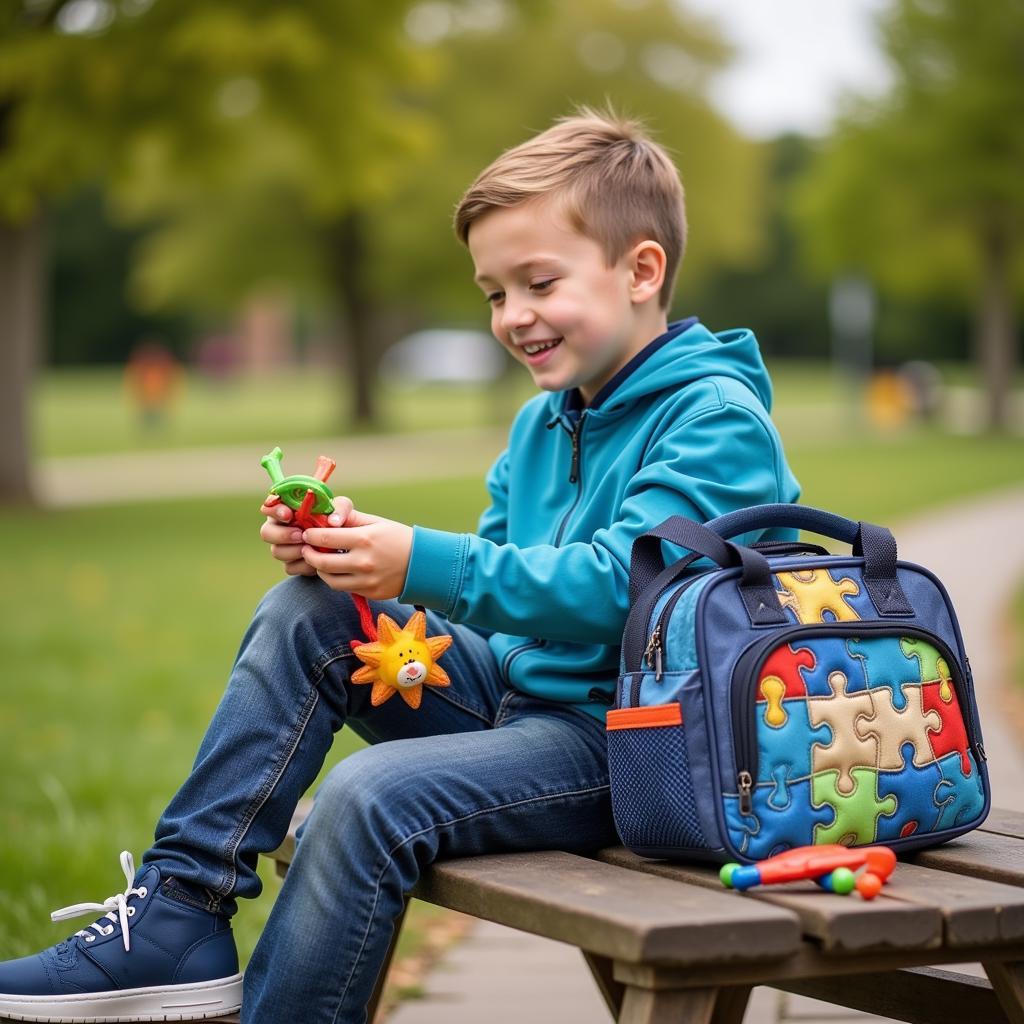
556, 305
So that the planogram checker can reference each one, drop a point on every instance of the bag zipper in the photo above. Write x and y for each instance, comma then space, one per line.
748, 670
654, 652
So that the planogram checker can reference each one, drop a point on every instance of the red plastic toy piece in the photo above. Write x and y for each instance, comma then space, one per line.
306, 518
834, 867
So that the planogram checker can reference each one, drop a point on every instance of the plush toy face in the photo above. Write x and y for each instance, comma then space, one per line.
402, 660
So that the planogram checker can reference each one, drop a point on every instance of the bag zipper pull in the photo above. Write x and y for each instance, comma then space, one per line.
652, 655
745, 783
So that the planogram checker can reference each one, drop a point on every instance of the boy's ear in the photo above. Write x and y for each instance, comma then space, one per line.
647, 269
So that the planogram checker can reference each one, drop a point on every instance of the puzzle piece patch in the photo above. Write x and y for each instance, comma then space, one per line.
893, 730
789, 746
784, 664
767, 830
932, 664
915, 790
960, 794
831, 655
886, 665
814, 596
840, 712
857, 813
951, 735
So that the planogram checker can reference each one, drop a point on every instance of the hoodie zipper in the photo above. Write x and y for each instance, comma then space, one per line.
574, 475
575, 434
748, 670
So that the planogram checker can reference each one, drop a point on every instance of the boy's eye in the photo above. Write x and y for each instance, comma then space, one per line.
495, 296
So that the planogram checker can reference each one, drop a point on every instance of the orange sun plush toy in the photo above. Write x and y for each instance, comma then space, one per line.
401, 660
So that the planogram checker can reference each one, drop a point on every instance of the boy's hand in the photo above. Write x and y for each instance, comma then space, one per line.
285, 540
372, 556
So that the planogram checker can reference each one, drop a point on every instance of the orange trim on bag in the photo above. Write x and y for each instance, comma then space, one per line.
644, 718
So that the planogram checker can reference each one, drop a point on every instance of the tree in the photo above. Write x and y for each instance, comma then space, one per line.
923, 189
395, 254
162, 102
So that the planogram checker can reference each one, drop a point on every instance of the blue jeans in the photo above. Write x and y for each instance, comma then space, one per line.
476, 768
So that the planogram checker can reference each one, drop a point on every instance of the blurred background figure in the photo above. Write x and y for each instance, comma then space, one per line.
153, 379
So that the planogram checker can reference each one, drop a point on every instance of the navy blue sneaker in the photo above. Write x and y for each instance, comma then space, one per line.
151, 957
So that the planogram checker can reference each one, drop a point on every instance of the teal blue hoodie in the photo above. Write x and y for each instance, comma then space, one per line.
682, 429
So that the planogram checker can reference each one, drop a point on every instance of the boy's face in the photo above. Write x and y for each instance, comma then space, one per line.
546, 283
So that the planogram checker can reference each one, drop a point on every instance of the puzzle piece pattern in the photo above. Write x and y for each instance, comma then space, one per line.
840, 712
788, 747
815, 596
886, 665
857, 813
859, 740
961, 793
785, 830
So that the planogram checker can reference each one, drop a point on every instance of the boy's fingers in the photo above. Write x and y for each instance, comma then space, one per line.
287, 552
338, 538
280, 533
299, 568
279, 511
342, 510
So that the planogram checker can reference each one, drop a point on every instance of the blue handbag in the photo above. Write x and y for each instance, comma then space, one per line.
785, 696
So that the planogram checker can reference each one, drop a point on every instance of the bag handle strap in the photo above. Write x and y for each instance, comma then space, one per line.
756, 587
874, 543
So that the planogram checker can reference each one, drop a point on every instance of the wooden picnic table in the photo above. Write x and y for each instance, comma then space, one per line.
667, 943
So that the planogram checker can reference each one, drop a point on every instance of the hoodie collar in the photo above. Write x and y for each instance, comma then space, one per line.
572, 402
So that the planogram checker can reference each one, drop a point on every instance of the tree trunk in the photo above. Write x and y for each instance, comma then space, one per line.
21, 307
346, 245
996, 337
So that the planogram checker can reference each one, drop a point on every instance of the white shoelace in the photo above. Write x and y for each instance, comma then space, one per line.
118, 902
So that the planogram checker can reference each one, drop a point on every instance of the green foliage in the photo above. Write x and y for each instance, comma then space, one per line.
500, 84
911, 187
90, 317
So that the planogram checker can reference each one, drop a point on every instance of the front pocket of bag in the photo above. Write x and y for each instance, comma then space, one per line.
853, 733
652, 791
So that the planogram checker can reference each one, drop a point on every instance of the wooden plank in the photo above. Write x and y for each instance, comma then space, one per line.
1004, 822
990, 855
628, 916
919, 995
838, 923
807, 962
974, 911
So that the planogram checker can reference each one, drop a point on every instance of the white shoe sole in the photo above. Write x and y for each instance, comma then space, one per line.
163, 1002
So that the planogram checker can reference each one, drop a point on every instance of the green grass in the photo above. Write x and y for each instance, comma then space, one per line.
120, 627
83, 412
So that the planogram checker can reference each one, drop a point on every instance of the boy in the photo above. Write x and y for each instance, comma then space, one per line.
575, 237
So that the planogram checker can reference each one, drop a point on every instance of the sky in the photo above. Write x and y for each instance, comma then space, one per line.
794, 59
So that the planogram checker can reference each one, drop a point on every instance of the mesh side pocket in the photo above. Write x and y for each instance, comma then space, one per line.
652, 794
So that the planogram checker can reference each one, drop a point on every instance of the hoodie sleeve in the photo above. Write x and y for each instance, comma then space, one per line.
580, 592
493, 524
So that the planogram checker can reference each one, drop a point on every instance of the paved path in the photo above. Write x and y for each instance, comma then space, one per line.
235, 469
506, 977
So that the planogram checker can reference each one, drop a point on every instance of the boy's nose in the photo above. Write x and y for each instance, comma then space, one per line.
516, 316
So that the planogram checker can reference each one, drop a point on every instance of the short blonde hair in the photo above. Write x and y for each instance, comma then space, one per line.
615, 184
